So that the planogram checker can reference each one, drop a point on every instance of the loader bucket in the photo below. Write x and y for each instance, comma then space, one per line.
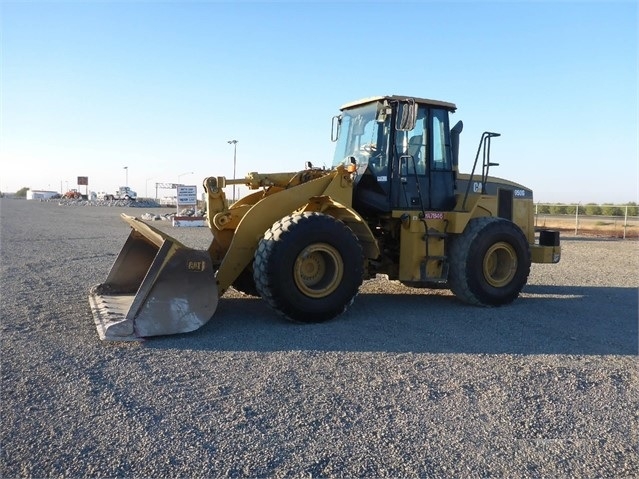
156, 286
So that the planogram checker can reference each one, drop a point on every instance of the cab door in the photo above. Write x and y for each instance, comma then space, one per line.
423, 176
441, 175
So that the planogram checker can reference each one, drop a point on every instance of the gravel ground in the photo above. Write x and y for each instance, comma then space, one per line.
408, 383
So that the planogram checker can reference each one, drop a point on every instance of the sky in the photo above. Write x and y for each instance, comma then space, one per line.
146, 92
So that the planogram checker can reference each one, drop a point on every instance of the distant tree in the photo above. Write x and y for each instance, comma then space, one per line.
608, 209
592, 209
543, 209
633, 209
559, 209
570, 210
22, 192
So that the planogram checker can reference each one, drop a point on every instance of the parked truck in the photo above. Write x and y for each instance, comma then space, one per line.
122, 193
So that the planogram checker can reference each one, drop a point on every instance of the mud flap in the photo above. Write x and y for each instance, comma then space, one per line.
156, 286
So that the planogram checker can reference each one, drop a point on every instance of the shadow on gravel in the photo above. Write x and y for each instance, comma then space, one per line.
545, 320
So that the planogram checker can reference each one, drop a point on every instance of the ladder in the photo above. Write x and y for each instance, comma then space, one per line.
435, 253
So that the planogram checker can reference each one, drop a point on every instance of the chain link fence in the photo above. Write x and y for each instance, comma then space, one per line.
619, 221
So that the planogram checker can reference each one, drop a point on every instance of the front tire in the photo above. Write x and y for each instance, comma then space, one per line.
489, 262
309, 267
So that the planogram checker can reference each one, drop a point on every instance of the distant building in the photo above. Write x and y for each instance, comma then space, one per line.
168, 201
41, 194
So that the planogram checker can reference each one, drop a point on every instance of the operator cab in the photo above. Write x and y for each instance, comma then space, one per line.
402, 150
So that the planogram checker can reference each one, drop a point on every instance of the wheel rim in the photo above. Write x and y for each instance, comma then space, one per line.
318, 270
500, 264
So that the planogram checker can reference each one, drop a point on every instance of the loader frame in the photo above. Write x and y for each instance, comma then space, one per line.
238, 229
304, 241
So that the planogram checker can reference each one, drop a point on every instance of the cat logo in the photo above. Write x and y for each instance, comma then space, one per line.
196, 265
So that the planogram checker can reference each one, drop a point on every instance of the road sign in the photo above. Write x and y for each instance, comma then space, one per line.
186, 195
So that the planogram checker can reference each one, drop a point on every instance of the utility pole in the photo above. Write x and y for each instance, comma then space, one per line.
126, 171
234, 143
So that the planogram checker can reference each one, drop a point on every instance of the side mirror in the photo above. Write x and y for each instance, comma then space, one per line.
406, 115
336, 126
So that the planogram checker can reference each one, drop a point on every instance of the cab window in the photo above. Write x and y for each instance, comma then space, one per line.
413, 144
441, 155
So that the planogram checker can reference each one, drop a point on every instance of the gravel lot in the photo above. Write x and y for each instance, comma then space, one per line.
408, 383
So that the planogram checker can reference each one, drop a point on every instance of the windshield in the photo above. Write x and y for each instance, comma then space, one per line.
359, 135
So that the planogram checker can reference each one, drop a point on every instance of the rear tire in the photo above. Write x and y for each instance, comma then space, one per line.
309, 267
489, 262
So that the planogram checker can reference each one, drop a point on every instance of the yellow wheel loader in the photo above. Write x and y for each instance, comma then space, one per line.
392, 203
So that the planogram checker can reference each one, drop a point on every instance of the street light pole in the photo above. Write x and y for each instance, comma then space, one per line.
126, 170
234, 143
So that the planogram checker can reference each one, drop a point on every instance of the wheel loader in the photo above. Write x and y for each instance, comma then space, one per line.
392, 203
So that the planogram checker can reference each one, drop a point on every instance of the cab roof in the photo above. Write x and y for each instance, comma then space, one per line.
421, 101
